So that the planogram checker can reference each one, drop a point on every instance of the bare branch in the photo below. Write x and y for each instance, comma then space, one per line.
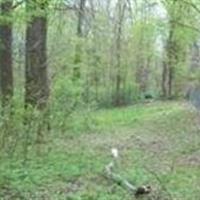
195, 7
185, 25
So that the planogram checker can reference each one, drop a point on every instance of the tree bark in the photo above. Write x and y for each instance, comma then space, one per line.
171, 60
164, 80
6, 71
36, 84
78, 50
121, 9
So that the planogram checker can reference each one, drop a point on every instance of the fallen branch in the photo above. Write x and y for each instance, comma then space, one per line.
118, 179
137, 191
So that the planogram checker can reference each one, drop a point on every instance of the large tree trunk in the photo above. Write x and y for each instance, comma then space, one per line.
6, 72
78, 50
121, 9
171, 60
36, 85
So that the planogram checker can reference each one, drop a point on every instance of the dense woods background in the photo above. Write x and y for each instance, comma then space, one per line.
105, 52
60, 59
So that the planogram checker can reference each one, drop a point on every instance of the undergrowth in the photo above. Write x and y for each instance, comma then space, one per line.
158, 144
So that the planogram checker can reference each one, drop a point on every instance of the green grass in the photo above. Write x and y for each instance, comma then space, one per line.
158, 144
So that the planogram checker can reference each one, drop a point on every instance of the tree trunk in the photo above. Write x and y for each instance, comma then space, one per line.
36, 84
121, 10
6, 71
78, 50
172, 51
164, 80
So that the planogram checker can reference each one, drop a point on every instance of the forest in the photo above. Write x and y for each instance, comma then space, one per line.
99, 99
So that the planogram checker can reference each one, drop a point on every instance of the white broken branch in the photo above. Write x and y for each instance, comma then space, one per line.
110, 174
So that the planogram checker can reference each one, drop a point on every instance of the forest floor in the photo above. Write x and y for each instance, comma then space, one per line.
158, 143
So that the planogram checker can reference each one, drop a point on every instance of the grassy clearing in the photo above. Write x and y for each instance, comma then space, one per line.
158, 142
